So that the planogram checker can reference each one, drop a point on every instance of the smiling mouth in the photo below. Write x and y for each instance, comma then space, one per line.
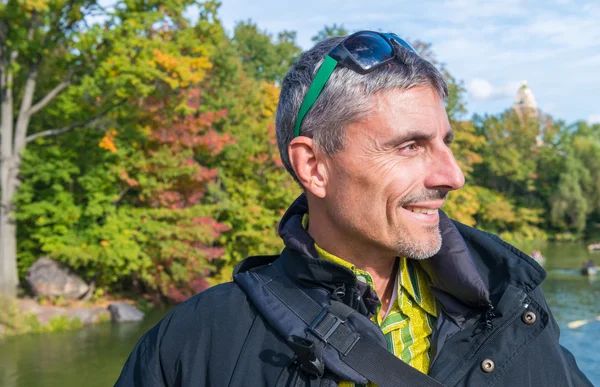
422, 210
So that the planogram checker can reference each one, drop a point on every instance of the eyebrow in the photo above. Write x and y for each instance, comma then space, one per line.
416, 135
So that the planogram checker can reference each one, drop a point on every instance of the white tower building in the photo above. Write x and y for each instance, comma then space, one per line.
525, 104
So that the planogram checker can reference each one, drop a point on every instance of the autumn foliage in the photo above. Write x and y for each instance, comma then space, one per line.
180, 177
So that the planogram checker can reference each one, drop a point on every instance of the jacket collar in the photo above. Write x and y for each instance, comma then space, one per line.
470, 272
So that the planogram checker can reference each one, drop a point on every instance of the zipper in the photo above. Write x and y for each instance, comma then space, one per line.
459, 375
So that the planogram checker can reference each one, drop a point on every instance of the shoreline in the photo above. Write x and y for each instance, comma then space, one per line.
21, 316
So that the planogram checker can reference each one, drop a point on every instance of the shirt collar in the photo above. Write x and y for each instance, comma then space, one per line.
408, 275
408, 278
412, 278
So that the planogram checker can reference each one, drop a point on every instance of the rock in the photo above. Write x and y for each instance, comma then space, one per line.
123, 312
48, 278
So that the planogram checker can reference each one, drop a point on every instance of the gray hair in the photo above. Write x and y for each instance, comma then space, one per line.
345, 97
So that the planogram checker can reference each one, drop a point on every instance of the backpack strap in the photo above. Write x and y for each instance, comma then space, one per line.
328, 327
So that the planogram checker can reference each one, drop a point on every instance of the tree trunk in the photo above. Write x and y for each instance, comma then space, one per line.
8, 249
8, 230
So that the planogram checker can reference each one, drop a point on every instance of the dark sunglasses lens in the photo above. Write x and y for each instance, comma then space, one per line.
400, 41
368, 49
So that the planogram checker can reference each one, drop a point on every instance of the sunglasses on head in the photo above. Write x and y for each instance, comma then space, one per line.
362, 52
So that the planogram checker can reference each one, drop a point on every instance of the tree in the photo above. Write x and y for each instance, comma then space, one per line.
569, 207
29, 33
252, 189
511, 154
176, 189
48, 50
329, 32
455, 103
127, 212
464, 205
571, 171
262, 57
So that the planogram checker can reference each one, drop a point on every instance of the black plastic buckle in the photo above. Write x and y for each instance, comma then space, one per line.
313, 326
308, 356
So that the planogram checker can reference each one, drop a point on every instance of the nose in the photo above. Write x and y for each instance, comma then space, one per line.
445, 173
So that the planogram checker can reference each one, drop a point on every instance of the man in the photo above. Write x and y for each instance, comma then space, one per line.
361, 126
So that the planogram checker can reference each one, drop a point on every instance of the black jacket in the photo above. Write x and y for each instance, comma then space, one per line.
493, 316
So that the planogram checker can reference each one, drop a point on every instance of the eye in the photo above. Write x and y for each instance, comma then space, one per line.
449, 138
410, 148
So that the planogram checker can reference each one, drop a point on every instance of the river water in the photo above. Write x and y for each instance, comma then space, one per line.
93, 356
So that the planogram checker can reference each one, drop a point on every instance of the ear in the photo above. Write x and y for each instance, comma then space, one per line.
309, 165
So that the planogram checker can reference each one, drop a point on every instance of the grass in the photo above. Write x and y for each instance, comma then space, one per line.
14, 322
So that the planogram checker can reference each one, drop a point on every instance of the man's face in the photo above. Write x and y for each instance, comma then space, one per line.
386, 186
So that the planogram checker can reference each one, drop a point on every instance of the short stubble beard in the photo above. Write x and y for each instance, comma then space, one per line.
411, 249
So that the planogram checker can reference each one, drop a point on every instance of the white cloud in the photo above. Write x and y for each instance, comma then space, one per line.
594, 119
481, 89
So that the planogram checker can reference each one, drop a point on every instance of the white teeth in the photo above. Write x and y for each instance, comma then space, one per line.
422, 210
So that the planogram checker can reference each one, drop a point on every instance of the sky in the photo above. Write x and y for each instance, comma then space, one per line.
491, 46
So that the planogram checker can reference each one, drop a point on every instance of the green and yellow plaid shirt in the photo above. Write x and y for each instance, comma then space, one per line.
409, 322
